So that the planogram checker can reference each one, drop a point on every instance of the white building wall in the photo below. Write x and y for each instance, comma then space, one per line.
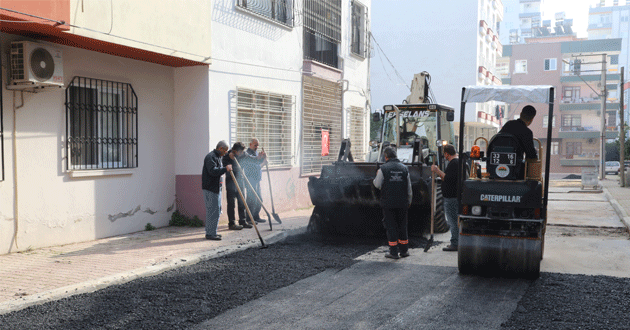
180, 28
250, 51
54, 208
356, 70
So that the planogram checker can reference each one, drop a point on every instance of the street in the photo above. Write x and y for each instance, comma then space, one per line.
308, 282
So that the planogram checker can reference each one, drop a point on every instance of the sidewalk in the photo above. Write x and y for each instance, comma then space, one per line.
46, 274
619, 197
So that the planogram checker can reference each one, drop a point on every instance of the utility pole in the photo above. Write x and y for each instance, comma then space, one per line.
603, 123
622, 133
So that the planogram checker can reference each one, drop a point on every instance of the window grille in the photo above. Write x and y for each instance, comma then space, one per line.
359, 19
321, 110
321, 49
267, 117
323, 17
356, 127
101, 124
278, 10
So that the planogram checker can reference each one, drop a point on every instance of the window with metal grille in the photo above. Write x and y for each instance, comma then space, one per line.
356, 127
321, 111
101, 124
322, 31
359, 13
267, 117
278, 10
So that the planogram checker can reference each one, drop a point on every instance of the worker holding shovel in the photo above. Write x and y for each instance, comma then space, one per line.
252, 162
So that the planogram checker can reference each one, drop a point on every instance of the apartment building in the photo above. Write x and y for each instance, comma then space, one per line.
577, 109
613, 21
106, 126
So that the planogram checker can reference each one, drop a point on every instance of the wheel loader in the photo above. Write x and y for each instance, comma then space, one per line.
347, 203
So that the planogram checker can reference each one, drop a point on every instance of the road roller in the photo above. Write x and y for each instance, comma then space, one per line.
503, 205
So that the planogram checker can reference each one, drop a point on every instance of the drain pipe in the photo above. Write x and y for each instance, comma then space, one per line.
15, 175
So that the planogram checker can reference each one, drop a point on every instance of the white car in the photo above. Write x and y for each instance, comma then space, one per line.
612, 167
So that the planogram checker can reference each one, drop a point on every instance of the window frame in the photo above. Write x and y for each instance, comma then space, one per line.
121, 143
548, 66
520, 64
272, 17
571, 119
546, 121
274, 112
573, 146
358, 26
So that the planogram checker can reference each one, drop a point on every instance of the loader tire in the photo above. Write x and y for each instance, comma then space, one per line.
441, 225
318, 221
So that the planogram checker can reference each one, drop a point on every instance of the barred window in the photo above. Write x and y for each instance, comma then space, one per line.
356, 127
358, 46
322, 30
321, 111
267, 117
278, 10
101, 124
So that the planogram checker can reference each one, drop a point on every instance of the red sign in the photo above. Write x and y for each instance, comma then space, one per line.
325, 142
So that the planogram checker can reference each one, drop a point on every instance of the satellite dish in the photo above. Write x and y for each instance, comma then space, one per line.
42, 64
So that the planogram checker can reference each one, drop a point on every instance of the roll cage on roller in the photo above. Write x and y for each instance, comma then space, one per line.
503, 213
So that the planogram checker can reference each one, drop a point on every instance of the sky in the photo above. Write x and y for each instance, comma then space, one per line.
394, 24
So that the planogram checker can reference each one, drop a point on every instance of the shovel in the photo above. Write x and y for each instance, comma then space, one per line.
273, 209
255, 194
251, 218
433, 193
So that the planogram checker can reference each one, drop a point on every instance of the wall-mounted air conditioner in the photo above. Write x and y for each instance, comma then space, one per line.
35, 65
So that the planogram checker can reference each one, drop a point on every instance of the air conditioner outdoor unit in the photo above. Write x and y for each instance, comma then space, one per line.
35, 65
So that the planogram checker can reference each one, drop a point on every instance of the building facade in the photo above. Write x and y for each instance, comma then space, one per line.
106, 130
576, 126
606, 22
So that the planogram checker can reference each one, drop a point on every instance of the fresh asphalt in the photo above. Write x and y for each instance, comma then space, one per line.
310, 282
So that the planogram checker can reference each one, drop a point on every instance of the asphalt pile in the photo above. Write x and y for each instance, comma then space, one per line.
564, 301
181, 298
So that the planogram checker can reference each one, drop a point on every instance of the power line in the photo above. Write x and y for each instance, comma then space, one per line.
390, 62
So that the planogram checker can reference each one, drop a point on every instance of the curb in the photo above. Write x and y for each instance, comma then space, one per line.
128, 276
621, 212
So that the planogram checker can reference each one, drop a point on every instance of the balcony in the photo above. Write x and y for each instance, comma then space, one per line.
586, 104
483, 28
482, 73
584, 132
497, 81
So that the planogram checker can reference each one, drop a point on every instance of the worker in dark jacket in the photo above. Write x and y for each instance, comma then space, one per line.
232, 192
518, 128
395, 184
211, 185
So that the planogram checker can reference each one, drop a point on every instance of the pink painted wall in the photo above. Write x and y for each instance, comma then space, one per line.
290, 192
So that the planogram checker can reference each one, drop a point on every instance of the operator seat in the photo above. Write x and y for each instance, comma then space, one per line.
505, 158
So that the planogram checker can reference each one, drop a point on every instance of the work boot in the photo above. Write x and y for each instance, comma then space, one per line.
450, 248
260, 220
233, 226
404, 251
393, 253
245, 224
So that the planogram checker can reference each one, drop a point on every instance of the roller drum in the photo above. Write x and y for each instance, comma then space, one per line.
499, 256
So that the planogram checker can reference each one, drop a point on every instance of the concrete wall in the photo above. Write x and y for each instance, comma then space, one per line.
53, 207
183, 26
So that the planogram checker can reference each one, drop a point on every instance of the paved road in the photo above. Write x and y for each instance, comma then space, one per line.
304, 283
425, 291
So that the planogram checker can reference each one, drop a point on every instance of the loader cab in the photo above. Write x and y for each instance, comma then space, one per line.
415, 129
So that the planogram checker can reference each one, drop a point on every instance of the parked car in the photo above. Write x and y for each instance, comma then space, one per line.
612, 167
